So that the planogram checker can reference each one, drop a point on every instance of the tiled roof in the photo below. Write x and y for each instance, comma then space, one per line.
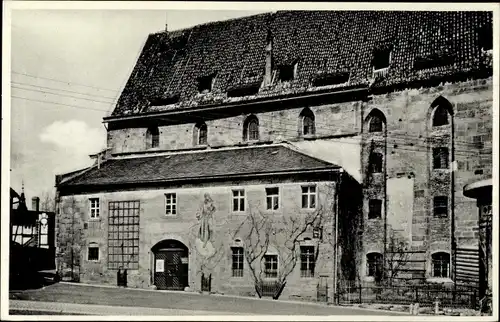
197, 165
322, 42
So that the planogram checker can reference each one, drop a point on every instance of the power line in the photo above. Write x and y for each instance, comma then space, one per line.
65, 82
56, 103
62, 95
62, 90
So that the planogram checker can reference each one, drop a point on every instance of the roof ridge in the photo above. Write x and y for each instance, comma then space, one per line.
209, 23
296, 149
229, 148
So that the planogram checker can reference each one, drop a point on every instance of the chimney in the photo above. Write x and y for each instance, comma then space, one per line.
35, 203
269, 59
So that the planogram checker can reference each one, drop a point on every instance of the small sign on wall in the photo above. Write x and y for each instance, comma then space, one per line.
160, 266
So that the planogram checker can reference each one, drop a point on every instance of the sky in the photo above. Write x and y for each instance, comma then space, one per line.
67, 70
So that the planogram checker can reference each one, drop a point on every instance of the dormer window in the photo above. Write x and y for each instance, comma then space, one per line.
287, 73
206, 84
381, 58
485, 37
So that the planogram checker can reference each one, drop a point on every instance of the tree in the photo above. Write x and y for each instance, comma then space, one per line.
48, 201
263, 232
396, 258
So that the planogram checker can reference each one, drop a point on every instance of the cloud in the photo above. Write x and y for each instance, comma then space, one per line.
74, 136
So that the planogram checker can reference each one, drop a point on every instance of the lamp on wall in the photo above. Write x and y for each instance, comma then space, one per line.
318, 232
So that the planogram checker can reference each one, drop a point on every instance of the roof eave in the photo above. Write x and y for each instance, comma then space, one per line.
283, 98
329, 169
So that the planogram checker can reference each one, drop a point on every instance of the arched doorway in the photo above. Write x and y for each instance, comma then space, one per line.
170, 265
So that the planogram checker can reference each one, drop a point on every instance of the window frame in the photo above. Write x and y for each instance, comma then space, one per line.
377, 121
238, 265
94, 211
378, 166
202, 128
436, 258
272, 197
93, 246
240, 199
439, 203
309, 195
307, 267
377, 205
440, 111
438, 158
153, 137
271, 273
172, 202
375, 265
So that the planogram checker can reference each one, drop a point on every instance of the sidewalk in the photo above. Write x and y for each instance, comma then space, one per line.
87, 309
126, 300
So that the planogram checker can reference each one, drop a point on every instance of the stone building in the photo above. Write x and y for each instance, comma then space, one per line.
307, 147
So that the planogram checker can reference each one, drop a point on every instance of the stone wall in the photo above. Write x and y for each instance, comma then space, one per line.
409, 153
155, 226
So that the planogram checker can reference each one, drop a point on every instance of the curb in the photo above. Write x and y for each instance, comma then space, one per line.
240, 297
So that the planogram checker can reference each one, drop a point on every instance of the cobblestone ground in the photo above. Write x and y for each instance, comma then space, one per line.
183, 302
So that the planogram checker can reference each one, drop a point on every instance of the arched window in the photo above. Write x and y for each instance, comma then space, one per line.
440, 264
152, 137
442, 111
201, 134
251, 129
376, 124
308, 126
376, 121
440, 116
374, 264
376, 162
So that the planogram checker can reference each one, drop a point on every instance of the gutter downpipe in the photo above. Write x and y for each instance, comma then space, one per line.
336, 225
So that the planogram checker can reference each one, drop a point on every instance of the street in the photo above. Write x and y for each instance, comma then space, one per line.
83, 299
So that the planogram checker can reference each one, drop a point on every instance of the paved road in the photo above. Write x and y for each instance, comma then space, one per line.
135, 299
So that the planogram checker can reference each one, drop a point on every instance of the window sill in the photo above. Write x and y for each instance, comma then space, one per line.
238, 213
369, 279
95, 219
171, 216
440, 280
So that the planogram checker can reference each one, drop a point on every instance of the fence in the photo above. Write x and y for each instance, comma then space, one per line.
425, 295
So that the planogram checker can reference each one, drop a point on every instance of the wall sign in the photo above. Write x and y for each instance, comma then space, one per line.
160, 266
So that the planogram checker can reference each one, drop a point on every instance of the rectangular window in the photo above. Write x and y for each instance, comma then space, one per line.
93, 253
271, 266
123, 235
94, 208
374, 208
237, 257
440, 158
272, 198
309, 197
307, 261
170, 204
441, 206
238, 200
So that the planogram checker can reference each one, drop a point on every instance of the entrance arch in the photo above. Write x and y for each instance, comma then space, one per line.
170, 265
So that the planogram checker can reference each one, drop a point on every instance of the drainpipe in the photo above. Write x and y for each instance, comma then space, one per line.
335, 251
452, 202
